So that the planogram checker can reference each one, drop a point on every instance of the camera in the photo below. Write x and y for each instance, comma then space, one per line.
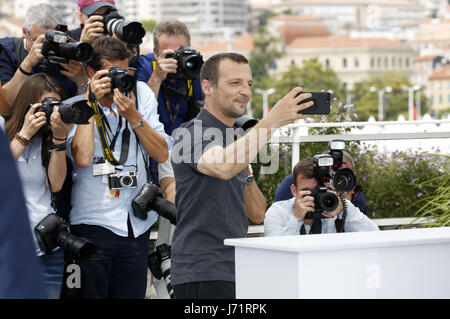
53, 231
131, 32
159, 264
327, 169
342, 179
78, 113
151, 198
189, 63
58, 47
121, 79
245, 122
323, 200
122, 180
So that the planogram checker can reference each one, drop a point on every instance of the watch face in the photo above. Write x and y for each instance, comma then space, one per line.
249, 179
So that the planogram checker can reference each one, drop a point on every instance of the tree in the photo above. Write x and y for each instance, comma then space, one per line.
313, 76
267, 48
395, 103
148, 25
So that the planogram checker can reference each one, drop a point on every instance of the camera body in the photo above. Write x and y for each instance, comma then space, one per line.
151, 198
77, 113
327, 170
58, 47
189, 63
53, 231
121, 79
131, 32
122, 180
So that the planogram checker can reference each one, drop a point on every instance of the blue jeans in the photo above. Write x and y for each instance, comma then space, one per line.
52, 271
119, 267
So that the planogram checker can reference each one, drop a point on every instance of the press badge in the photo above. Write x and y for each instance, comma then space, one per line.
102, 167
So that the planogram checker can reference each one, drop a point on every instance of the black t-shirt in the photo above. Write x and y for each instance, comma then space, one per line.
209, 209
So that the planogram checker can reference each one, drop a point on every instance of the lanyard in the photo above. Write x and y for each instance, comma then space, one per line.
107, 153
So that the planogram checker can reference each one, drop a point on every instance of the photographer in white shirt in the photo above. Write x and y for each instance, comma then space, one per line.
288, 217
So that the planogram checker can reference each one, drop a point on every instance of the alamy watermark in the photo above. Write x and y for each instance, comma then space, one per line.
192, 143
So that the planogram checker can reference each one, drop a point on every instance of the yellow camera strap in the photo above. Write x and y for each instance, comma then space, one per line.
107, 153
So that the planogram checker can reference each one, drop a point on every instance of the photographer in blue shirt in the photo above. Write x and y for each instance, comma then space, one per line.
177, 98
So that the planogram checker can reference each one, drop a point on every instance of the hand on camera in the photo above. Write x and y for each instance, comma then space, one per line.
75, 71
93, 29
59, 128
34, 56
100, 84
32, 122
304, 203
126, 106
165, 65
286, 110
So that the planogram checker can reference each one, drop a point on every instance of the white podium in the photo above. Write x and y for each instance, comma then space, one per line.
413, 263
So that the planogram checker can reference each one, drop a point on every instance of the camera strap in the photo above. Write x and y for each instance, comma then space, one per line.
340, 223
107, 153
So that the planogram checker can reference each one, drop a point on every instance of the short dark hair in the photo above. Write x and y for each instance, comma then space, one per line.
305, 168
210, 69
107, 48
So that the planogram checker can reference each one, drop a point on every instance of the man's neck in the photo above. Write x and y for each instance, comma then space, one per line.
228, 121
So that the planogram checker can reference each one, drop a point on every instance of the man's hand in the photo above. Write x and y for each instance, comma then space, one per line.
127, 107
34, 56
164, 65
75, 71
93, 29
100, 84
286, 110
304, 203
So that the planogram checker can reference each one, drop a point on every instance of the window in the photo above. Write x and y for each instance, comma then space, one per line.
356, 63
407, 62
441, 100
344, 63
372, 63
327, 63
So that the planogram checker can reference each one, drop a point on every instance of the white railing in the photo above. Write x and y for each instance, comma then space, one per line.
363, 131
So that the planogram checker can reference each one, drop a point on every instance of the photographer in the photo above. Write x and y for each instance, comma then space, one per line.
175, 106
41, 160
356, 195
19, 57
287, 217
99, 18
214, 197
102, 192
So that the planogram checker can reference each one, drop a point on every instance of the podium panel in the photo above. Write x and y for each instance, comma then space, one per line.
413, 263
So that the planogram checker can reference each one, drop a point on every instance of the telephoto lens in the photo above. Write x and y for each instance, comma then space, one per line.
343, 180
53, 231
131, 32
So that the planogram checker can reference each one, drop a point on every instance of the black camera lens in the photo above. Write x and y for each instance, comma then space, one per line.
344, 180
328, 201
131, 32
76, 247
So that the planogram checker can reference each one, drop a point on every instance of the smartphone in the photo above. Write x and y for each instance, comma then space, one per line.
321, 105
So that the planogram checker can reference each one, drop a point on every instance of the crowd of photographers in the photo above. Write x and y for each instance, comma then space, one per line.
90, 123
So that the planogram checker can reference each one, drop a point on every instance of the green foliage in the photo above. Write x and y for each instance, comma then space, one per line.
436, 206
267, 48
148, 25
311, 77
395, 103
396, 185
